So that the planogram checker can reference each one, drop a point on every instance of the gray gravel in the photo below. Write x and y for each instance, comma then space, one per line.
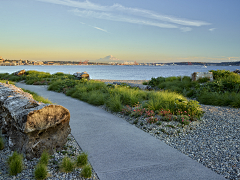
71, 149
214, 141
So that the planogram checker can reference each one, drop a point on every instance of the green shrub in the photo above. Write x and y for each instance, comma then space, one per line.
82, 160
130, 96
67, 165
173, 78
59, 84
220, 99
203, 80
219, 74
186, 79
114, 103
59, 74
15, 163
96, 98
44, 158
40, 171
156, 81
162, 100
86, 171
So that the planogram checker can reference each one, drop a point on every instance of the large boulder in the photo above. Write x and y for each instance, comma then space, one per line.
20, 73
31, 126
198, 75
237, 71
82, 75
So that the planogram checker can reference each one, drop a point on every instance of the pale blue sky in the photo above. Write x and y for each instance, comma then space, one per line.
130, 30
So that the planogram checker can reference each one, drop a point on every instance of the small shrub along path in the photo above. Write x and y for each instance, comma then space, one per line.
118, 150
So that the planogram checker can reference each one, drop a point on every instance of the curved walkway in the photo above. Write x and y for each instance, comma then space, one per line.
120, 151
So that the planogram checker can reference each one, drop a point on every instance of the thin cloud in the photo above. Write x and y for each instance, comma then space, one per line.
186, 29
99, 29
212, 29
128, 14
153, 15
112, 17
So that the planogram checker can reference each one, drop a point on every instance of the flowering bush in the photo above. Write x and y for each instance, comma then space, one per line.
164, 112
152, 119
137, 112
126, 110
149, 113
184, 119
167, 117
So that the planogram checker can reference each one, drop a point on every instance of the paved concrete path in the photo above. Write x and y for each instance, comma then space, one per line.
120, 151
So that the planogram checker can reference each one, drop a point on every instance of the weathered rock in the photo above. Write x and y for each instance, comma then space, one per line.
20, 73
198, 75
32, 126
82, 75
237, 71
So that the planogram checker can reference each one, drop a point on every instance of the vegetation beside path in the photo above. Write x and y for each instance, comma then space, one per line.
153, 105
222, 91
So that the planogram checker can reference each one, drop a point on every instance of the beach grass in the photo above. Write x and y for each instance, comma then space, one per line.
37, 97
67, 165
40, 171
86, 171
15, 163
82, 160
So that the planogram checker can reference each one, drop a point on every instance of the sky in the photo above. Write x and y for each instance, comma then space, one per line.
120, 30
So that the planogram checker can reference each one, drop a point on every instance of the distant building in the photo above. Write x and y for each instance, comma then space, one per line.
1, 60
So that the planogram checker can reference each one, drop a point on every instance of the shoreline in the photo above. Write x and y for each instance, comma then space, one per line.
137, 82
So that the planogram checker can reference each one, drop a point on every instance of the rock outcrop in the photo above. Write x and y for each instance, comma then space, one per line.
237, 71
198, 75
82, 75
20, 73
31, 126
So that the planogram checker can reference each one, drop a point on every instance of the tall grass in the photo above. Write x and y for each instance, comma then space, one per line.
82, 160
224, 99
44, 158
86, 171
40, 171
163, 100
37, 97
67, 165
114, 103
15, 163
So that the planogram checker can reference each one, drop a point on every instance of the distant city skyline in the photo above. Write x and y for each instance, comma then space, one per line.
120, 31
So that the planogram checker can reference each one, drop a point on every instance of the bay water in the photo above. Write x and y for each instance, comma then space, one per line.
121, 72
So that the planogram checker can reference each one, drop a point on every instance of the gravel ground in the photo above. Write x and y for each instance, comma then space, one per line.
214, 141
71, 149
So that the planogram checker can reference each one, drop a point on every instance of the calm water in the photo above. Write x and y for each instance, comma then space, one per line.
121, 72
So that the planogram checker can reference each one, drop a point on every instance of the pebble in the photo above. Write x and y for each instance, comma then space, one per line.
213, 141
71, 148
